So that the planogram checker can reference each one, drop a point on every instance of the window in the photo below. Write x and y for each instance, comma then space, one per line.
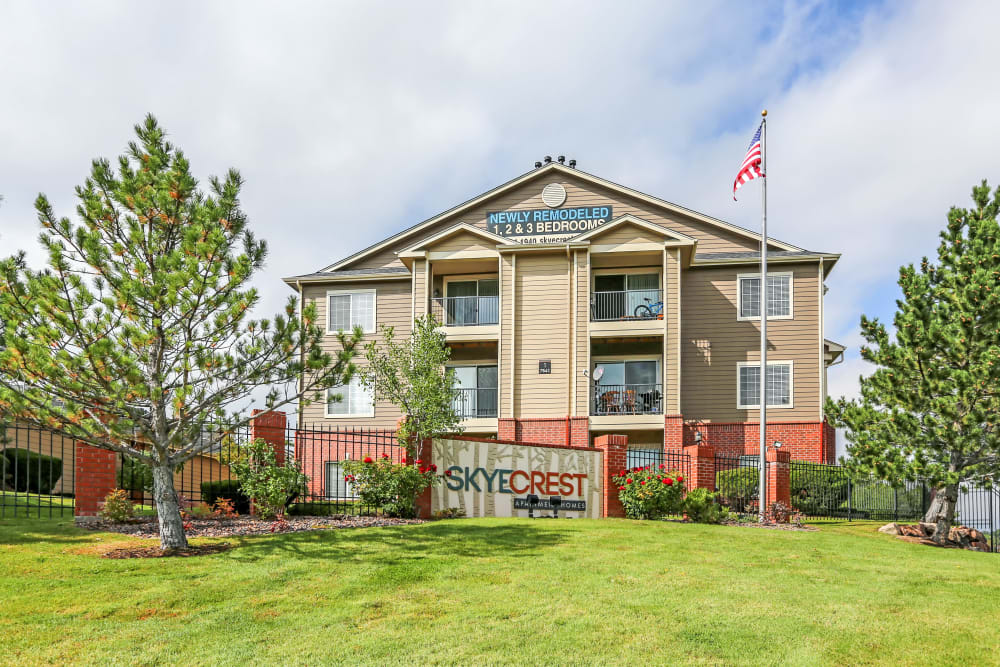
336, 485
475, 391
779, 385
355, 400
779, 296
472, 302
351, 309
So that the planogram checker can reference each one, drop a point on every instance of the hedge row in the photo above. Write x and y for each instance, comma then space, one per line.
29, 472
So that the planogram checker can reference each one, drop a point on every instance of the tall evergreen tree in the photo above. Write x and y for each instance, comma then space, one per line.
140, 325
931, 409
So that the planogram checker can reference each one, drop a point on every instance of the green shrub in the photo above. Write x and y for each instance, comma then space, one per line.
272, 486
135, 475
229, 489
702, 506
117, 506
29, 472
323, 508
651, 492
738, 489
391, 486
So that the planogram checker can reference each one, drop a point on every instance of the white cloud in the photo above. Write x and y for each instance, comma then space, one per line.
352, 121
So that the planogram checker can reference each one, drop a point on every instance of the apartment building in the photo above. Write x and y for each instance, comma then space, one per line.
576, 307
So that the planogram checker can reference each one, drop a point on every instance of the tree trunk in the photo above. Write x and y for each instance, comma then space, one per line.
168, 508
942, 512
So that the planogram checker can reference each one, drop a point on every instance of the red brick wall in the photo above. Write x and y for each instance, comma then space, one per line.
673, 433
314, 449
805, 441
702, 473
94, 479
546, 430
614, 448
270, 427
779, 486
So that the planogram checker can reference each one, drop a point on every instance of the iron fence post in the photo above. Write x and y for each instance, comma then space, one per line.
850, 495
895, 503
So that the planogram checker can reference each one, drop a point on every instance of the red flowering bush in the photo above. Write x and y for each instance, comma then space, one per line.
392, 486
650, 492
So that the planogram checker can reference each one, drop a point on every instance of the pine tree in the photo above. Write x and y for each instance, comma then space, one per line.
140, 324
930, 410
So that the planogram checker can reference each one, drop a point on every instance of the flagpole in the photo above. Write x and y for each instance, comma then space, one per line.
762, 489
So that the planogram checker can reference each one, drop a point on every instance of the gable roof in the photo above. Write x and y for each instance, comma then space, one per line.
452, 231
538, 173
629, 219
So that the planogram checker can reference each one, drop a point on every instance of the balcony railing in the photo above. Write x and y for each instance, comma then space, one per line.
627, 399
638, 304
467, 311
473, 403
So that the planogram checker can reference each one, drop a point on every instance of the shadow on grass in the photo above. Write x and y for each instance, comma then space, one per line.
444, 539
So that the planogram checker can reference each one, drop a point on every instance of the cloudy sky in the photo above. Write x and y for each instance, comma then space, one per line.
353, 121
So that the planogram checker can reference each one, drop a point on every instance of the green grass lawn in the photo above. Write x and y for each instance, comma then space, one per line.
480, 591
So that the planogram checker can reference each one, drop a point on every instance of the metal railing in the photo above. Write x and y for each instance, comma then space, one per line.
476, 403
467, 311
627, 399
639, 304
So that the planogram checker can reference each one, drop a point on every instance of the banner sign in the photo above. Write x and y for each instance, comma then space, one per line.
493, 478
537, 225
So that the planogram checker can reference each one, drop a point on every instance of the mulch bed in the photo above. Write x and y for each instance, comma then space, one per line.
248, 525
157, 552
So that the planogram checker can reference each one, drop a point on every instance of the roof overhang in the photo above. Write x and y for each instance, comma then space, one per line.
833, 353
828, 259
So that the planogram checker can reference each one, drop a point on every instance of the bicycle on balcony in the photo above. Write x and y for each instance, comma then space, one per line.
649, 310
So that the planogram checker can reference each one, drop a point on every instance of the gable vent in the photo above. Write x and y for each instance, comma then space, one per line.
554, 195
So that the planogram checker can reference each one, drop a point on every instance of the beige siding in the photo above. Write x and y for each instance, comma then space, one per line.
420, 292
392, 307
582, 328
507, 271
540, 332
579, 193
462, 242
627, 234
714, 341
672, 372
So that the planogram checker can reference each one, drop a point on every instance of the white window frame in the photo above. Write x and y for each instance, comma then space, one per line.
740, 277
374, 294
353, 415
756, 364
351, 494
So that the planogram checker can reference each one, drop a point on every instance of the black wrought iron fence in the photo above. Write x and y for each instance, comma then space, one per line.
627, 399
737, 481
473, 402
36, 472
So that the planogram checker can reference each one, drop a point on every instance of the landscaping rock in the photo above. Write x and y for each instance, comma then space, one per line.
890, 529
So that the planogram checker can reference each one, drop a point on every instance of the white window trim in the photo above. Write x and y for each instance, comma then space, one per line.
352, 494
374, 294
326, 407
763, 296
756, 364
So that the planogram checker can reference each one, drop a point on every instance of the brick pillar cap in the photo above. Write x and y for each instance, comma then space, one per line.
778, 457
700, 451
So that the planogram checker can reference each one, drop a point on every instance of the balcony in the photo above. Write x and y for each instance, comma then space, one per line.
627, 399
468, 317
634, 312
477, 407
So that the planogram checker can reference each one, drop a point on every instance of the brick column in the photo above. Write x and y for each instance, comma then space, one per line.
614, 448
93, 481
673, 433
779, 478
702, 475
270, 427
506, 429
424, 453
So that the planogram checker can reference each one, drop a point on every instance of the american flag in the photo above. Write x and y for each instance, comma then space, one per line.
751, 167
